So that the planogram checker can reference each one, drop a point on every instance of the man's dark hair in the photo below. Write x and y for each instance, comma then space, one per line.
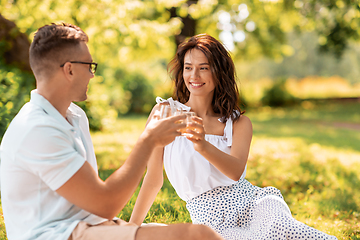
53, 45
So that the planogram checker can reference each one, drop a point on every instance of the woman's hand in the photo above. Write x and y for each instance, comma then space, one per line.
195, 132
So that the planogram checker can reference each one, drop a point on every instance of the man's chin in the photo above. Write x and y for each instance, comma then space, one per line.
81, 99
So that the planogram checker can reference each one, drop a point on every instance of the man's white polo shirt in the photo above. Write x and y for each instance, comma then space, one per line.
41, 151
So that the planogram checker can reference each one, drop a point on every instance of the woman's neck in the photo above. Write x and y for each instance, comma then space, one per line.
201, 105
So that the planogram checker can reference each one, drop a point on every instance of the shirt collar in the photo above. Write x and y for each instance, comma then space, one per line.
49, 109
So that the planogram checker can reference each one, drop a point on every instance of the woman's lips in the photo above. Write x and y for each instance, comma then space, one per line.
196, 84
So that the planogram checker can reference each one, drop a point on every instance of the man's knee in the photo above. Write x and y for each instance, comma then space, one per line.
182, 231
204, 232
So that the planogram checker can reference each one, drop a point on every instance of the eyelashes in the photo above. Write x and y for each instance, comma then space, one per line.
202, 68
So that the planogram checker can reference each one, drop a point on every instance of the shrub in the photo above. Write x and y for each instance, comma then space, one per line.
15, 87
140, 91
278, 96
94, 117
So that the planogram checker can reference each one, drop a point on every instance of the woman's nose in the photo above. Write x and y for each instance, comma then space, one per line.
195, 74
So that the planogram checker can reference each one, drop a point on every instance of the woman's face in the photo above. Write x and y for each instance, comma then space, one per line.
197, 73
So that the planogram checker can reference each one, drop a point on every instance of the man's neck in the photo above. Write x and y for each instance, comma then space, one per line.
59, 101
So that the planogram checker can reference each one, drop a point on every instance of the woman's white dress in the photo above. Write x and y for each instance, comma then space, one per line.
235, 209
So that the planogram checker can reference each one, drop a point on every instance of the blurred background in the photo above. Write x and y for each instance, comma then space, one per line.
285, 51
298, 68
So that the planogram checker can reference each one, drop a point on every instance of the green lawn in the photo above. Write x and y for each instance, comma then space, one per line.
310, 152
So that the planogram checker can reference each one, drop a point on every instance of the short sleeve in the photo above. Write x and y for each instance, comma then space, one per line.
50, 153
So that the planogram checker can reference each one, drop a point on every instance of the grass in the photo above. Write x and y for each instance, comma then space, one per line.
299, 150
314, 163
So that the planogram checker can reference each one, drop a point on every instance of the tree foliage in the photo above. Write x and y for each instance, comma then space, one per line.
16, 79
266, 24
133, 40
132, 27
15, 86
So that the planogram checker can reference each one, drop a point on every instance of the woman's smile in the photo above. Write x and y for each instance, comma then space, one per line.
197, 73
196, 84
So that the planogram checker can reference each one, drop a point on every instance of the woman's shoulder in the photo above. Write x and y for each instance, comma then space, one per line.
153, 111
242, 122
156, 107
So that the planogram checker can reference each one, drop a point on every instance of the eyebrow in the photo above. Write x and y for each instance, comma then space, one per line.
186, 63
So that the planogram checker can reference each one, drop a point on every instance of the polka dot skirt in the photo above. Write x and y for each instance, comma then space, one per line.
244, 211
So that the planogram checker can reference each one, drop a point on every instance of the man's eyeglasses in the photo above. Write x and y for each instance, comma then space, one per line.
92, 65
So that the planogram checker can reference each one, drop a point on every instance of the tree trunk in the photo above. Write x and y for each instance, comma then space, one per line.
14, 45
189, 27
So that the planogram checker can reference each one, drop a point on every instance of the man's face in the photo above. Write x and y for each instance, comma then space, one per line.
81, 72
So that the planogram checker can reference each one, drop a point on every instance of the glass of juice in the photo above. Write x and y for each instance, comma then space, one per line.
165, 111
187, 120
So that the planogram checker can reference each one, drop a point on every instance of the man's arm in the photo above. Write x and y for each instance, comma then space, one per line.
107, 198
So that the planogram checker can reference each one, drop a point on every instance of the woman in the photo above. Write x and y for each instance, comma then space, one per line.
207, 166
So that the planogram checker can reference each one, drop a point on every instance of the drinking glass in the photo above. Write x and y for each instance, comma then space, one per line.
165, 111
187, 120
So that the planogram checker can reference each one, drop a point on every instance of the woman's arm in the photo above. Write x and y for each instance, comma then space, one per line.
233, 164
152, 182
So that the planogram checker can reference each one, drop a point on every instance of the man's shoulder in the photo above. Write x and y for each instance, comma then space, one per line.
32, 115
29, 117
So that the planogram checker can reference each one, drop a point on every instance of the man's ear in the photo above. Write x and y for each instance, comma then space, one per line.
68, 70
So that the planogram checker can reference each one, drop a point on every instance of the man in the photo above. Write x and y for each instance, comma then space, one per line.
50, 188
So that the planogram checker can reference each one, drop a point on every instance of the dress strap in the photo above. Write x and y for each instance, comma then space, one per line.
174, 104
228, 131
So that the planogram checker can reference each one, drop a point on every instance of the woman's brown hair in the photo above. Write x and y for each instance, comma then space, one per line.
226, 93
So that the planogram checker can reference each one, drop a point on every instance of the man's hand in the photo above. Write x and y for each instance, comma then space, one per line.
163, 131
